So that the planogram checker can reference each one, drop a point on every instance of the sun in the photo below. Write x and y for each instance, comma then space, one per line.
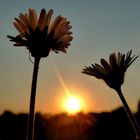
73, 105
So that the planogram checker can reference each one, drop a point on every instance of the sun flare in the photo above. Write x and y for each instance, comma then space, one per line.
73, 105
70, 103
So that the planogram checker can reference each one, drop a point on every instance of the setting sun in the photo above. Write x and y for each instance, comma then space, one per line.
73, 105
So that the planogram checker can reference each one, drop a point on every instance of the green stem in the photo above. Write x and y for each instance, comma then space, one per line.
30, 129
129, 113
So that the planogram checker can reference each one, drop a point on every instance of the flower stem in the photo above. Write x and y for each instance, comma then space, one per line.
129, 113
30, 129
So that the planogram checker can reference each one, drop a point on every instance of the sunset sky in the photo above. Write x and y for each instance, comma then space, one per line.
99, 28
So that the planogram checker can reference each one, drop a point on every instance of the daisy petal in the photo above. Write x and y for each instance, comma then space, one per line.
66, 38
41, 19
25, 19
32, 18
55, 23
113, 60
100, 69
105, 65
119, 58
22, 25
18, 27
48, 19
63, 28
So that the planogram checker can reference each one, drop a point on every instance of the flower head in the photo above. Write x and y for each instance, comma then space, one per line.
112, 72
41, 36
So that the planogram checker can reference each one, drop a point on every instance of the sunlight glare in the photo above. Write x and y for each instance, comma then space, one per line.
73, 105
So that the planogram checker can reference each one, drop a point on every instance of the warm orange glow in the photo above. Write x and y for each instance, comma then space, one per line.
70, 103
73, 105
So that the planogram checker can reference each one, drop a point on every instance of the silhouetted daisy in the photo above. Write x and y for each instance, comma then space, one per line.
39, 35
112, 73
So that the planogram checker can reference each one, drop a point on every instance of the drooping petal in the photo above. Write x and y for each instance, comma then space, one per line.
62, 49
63, 45
18, 40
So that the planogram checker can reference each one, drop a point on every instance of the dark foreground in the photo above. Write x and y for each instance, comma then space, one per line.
93, 126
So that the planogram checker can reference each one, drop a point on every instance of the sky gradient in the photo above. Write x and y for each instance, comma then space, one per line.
99, 28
